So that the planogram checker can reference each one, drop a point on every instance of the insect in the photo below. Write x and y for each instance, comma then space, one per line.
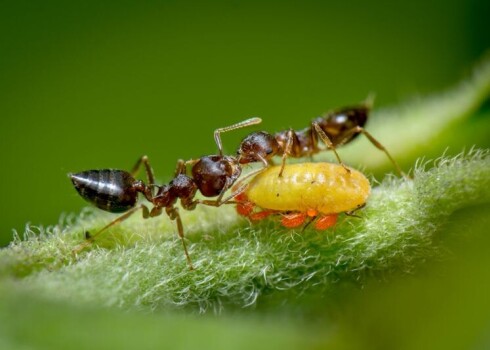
116, 191
335, 129
318, 191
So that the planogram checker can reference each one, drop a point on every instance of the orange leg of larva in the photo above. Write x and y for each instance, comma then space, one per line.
245, 208
293, 220
260, 215
241, 197
326, 221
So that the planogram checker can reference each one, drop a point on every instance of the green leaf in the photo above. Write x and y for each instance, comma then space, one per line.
140, 265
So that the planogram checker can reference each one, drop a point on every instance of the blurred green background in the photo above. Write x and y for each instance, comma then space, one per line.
96, 84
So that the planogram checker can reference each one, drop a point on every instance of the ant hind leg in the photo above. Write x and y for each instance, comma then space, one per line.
173, 214
379, 146
329, 144
91, 238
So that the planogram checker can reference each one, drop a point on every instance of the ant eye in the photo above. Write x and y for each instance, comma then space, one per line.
268, 151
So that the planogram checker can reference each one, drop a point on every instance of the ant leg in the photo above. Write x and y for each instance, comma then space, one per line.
287, 150
191, 162
180, 168
382, 148
353, 212
242, 124
91, 238
378, 145
329, 144
312, 214
173, 214
148, 169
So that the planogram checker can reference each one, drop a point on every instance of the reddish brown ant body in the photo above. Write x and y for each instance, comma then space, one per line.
335, 128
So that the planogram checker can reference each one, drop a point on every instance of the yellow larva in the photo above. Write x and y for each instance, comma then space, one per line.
325, 187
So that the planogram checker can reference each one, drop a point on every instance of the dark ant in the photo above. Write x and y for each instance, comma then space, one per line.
335, 128
116, 191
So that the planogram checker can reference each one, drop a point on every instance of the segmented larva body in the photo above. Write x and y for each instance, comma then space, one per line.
317, 190
325, 187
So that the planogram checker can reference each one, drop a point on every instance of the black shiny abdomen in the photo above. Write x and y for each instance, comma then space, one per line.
108, 189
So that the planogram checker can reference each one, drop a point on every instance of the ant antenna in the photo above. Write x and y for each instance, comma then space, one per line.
239, 125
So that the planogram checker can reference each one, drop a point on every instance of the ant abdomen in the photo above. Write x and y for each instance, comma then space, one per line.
339, 122
108, 189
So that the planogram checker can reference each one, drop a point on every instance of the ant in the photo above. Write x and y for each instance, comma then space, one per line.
116, 191
335, 128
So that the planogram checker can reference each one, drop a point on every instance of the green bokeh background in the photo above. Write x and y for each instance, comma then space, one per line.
96, 84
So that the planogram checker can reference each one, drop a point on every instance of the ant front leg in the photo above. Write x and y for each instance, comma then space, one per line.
329, 144
148, 169
173, 214
91, 238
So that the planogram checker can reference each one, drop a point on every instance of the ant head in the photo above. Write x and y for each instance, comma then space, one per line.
213, 174
256, 147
